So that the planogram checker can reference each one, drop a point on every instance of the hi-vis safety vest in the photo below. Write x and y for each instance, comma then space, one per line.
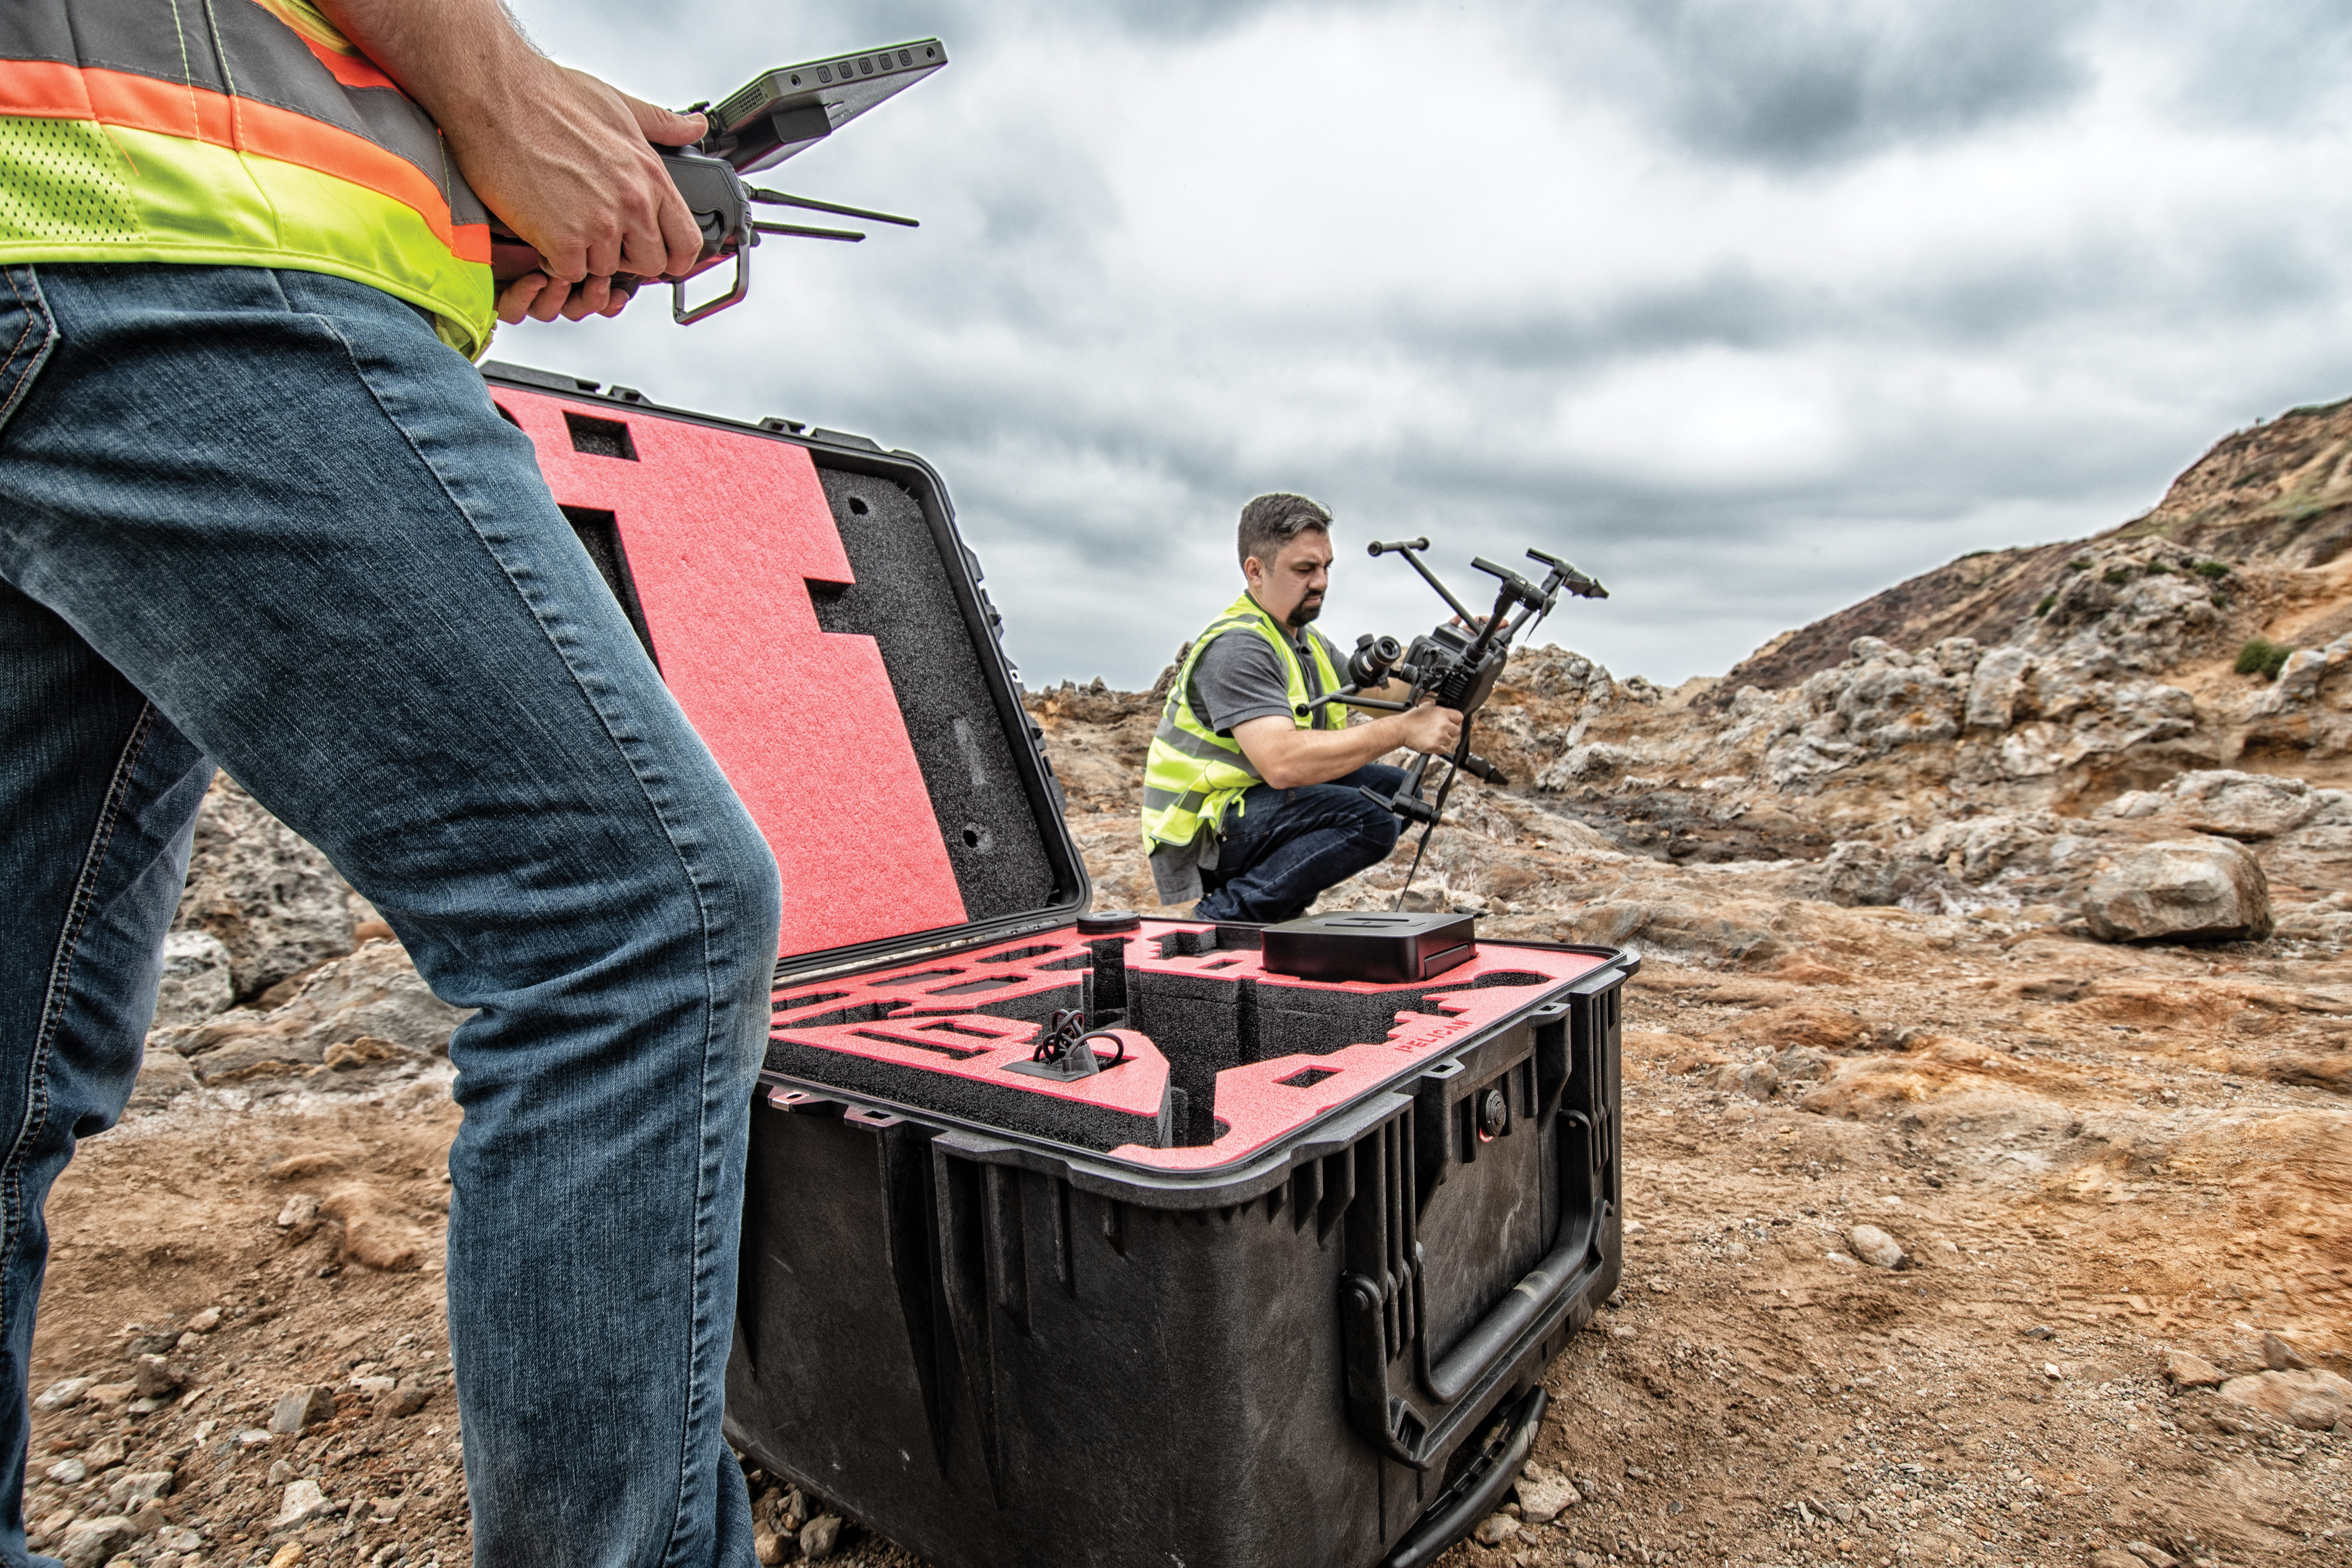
1192, 773
230, 132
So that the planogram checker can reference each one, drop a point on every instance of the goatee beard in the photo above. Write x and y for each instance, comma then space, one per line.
1307, 610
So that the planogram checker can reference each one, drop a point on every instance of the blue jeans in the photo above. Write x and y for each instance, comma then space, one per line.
1283, 847
265, 520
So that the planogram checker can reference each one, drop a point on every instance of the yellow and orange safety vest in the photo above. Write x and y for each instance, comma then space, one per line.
237, 132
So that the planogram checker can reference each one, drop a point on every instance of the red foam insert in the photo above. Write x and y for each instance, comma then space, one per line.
1256, 1107
724, 529
1136, 1085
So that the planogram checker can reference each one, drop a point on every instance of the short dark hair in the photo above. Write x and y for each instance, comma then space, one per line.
1272, 521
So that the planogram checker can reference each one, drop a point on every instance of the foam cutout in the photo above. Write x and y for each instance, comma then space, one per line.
723, 532
940, 1033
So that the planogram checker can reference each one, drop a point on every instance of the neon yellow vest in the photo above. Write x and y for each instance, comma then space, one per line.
231, 133
1192, 773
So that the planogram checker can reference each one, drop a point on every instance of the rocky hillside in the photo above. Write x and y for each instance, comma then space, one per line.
1988, 1094
2278, 495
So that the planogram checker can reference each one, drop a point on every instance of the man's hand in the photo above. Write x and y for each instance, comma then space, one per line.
1432, 728
561, 156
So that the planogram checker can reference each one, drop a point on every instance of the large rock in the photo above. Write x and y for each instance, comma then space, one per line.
356, 1020
2023, 856
2314, 1401
1879, 698
2301, 678
164, 1075
272, 901
2136, 607
197, 981
2191, 889
2074, 717
1994, 688
2251, 807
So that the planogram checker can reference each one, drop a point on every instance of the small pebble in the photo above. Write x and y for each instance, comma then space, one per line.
301, 1408
302, 1501
1544, 1498
1874, 1246
1497, 1528
64, 1395
819, 1536
2280, 1356
157, 1377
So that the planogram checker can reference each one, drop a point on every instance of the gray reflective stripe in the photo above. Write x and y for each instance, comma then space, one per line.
1162, 799
1192, 745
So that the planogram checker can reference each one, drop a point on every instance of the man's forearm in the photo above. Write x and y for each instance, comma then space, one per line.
565, 161
1300, 757
459, 59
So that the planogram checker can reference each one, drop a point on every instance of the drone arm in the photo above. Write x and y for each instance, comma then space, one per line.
1409, 551
1354, 698
1563, 575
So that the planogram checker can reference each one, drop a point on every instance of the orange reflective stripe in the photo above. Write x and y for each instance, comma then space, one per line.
45, 91
352, 70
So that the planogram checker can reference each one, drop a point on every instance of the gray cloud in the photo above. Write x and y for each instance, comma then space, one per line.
2276, 63
1748, 322
1807, 81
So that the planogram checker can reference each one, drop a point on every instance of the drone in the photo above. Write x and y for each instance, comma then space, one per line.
1456, 664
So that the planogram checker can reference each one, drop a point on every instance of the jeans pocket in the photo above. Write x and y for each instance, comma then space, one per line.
27, 331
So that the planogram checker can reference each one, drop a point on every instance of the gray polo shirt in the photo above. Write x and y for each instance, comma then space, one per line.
1236, 678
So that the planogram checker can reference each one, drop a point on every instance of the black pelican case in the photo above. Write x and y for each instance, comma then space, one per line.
1266, 1271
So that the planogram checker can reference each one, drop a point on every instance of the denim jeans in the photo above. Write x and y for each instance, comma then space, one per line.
1281, 848
265, 520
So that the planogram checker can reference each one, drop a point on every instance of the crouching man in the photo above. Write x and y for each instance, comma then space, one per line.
1250, 792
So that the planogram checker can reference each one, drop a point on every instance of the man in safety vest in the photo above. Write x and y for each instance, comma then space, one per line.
255, 513
1251, 791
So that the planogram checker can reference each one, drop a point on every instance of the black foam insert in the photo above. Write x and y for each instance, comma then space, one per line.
905, 600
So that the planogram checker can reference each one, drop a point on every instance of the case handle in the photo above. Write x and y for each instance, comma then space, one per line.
1528, 1311
1382, 1302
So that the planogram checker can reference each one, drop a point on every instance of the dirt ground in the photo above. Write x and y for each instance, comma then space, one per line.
2060, 1136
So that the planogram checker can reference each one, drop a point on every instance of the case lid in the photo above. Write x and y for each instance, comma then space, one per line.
809, 603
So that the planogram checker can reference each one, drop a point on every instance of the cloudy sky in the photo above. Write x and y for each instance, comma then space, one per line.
1749, 307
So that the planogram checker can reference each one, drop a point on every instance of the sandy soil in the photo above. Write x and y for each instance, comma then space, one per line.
2079, 1185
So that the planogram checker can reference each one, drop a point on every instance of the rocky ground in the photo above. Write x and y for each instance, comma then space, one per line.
1989, 1157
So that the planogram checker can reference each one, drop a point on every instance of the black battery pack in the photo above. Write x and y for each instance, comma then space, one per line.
1361, 944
